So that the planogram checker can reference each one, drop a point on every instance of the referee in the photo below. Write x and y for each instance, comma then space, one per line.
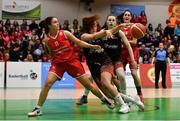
160, 58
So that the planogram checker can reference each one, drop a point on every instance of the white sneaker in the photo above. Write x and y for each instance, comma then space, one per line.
139, 103
124, 109
135, 100
35, 112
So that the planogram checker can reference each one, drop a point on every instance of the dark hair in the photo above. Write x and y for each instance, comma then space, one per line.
88, 23
142, 12
47, 22
120, 17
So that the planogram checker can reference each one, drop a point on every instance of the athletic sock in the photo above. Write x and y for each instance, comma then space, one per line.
37, 106
119, 99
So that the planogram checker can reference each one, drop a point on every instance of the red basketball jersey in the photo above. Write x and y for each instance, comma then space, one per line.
127, 31
61, 49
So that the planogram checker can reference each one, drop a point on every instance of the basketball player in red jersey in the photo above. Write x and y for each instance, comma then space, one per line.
64, 59
127, 16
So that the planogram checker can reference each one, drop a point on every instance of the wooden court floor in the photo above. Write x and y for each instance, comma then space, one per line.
160, 104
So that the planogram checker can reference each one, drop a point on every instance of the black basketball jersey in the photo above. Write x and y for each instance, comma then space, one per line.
112, 47
96, 55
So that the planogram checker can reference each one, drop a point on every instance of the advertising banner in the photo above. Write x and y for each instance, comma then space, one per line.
23, 74
118, 9
21, 9
128, 77
66, 82
147, 74
174, 8
1, 74
175, 74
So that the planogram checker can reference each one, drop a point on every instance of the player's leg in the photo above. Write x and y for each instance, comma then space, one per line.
135, 76
106, 77
120, 82
51, 78
75, 69
90, 86
94, 69
83, 99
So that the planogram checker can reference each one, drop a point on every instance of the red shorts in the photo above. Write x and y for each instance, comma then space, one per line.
126, 57
74, 68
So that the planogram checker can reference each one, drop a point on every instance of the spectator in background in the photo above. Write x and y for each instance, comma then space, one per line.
177, 51
15, 24
6, 38
7, 24
143, 18
160, 57
1, 57
45, 58
150, 29
29, 58
151, 52
14, 50
75, 27
2, 43
167, 30
177, 59
159, 29
27, 31
177, 30
172, 20
171, 57
66, 25
147, 40
24, 47
145, 59
154, 39
24, 24
175, 41
135, 19
143, 52
6, 57
33, 25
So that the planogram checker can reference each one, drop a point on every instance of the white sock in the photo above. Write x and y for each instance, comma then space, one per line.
37, 106
119, 99
129, 98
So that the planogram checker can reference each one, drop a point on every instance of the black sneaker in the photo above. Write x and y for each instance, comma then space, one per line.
82, 100
35, 112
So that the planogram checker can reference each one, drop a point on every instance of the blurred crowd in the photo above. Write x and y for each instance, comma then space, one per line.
24, 42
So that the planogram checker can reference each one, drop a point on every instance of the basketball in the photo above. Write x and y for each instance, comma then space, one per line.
138, 30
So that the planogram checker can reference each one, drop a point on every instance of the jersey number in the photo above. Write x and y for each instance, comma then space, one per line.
56, 43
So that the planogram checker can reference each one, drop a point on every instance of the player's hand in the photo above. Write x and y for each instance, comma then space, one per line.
134, 65
96, 46
109, 34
